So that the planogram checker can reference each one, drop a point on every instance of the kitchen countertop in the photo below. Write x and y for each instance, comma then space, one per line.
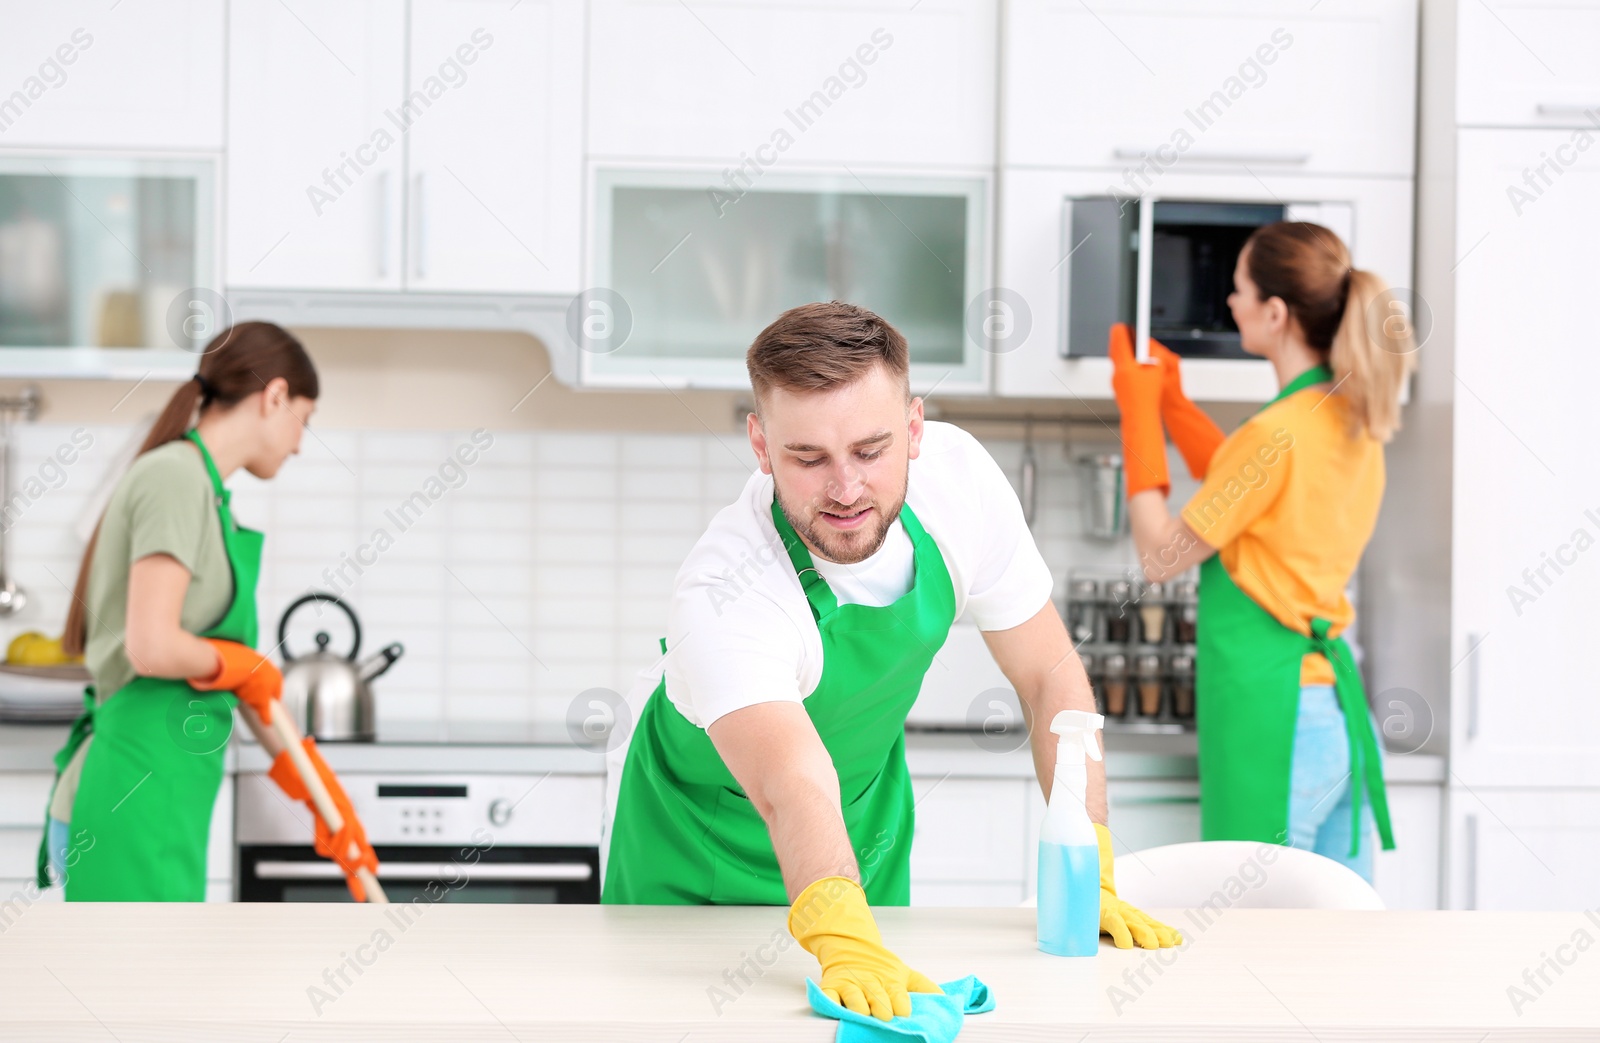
1130, 755
454, 972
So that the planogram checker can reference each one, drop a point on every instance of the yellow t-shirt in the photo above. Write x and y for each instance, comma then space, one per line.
1290, 501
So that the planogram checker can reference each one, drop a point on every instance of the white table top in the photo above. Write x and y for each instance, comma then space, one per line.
245, 972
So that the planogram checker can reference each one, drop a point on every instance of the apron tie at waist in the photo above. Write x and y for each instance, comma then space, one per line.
1366, 769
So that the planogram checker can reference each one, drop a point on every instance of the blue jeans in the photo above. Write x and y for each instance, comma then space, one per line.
1320, 784
57, 840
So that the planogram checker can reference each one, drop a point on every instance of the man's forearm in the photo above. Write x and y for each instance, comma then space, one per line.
806, 824
1065, 688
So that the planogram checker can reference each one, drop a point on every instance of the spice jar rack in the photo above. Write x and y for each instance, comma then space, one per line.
1137, 643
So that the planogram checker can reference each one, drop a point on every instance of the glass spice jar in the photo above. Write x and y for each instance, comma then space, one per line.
1114, 683
1148, 676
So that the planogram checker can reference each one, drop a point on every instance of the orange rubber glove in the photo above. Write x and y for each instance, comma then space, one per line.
328, 844
246, 673
1194, 433
832, 921
1137, 386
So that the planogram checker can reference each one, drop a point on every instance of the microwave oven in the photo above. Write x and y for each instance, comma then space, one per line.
1165, 267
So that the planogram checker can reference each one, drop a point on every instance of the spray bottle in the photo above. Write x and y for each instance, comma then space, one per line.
1069, 851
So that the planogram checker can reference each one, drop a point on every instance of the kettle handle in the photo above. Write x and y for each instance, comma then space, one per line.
315, 595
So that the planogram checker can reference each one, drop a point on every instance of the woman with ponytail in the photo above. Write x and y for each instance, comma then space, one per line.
164, 613
1288, 750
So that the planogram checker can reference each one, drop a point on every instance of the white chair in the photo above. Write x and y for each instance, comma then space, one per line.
1237, 874
1246, 874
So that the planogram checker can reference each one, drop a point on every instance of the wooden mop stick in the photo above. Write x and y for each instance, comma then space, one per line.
282, 735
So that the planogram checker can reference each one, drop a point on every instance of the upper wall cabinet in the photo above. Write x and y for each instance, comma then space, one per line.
96, 75
496, 164
354, 167
821, 82
1528, 63
1135, 85
315, 157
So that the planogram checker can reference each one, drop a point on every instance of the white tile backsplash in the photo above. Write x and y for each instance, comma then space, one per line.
544, 572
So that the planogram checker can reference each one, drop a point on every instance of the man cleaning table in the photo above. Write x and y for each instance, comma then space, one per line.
768, 762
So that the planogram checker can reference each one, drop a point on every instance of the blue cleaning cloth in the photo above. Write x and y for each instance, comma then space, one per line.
934, 1017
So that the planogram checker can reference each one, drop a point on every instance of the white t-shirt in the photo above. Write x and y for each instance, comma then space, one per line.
739, 629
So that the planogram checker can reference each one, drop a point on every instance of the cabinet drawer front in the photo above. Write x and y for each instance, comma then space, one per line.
970, 830
1528, 63
1252, 85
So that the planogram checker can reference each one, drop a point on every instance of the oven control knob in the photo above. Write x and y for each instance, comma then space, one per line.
499, 812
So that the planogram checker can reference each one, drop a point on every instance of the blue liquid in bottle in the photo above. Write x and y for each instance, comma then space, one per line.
1069, 899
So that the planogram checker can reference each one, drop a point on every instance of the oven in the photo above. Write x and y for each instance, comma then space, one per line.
438, 839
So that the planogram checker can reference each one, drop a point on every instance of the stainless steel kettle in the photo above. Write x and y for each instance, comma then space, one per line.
328, 693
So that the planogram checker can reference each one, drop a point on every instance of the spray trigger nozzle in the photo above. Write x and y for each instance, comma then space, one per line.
1079, 726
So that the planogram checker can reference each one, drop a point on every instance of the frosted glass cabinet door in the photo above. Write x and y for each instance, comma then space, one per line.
94, 253
695, 270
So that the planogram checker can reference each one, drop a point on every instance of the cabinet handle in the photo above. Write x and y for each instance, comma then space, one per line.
422, 225
1146, 261
1470, 828
1285, 158
1146, 801
268, 869
1549, 108
384, 222
1473, 643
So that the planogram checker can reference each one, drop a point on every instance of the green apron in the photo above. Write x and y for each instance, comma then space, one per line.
1247, 679
150, 779
686, 834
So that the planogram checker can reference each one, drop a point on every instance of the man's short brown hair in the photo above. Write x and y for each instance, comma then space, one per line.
824, 346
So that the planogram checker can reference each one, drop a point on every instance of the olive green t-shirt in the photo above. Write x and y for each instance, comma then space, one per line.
163, 505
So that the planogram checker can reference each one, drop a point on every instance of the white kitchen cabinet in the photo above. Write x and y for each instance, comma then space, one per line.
316, 150
819, 82
84, 74
970, 842
23, 800
1408, 876
496, 163
1035, 261
429, 147
1527, 63
1525, 562
1249, 85
1524, 849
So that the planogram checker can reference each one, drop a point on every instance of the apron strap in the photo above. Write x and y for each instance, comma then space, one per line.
1366, 769
223, 494
818, 594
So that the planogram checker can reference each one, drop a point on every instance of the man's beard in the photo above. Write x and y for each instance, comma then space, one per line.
852, 546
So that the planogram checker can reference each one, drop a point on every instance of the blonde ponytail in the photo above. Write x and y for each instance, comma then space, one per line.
1374, 350
1349, 313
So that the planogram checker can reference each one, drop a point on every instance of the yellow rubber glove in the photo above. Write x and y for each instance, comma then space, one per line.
833, 922
1126, 925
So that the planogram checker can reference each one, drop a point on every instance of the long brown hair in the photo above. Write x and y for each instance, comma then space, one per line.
1347, 313
239, 362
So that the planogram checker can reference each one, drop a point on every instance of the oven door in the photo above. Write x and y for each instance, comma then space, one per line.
1164, 267
410, 873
